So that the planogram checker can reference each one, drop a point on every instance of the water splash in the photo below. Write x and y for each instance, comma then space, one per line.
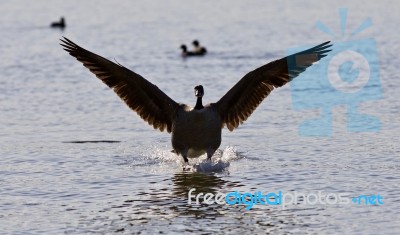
219, 162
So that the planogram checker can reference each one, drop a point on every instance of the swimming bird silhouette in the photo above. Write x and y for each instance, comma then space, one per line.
60, 24
198, 49
196, 131
186, 53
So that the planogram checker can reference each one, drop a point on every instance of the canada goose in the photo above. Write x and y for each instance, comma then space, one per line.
197, 130
198, 49
186, 53
60, 24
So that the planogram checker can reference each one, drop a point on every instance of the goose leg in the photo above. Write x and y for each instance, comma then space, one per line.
210, 153
186, 164
184, 154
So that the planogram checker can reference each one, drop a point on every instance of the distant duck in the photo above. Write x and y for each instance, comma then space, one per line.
196, 130
198, 49
60, 24
186, 53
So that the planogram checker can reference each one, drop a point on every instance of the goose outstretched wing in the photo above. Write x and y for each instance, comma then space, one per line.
243, 98
146, 99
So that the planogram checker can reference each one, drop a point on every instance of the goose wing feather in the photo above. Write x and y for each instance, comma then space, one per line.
243, 98
143, 97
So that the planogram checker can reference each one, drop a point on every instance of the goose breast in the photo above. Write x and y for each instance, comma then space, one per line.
196, 131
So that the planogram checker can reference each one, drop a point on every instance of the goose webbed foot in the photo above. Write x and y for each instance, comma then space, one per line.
186, 166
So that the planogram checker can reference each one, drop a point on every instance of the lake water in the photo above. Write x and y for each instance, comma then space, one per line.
48, 100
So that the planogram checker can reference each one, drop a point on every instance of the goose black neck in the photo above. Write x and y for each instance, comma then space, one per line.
199, 103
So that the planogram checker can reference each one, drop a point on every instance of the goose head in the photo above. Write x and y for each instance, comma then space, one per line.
199, 92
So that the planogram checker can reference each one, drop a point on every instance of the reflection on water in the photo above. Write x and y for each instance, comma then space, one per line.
166, 209
203, 183
167, 203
